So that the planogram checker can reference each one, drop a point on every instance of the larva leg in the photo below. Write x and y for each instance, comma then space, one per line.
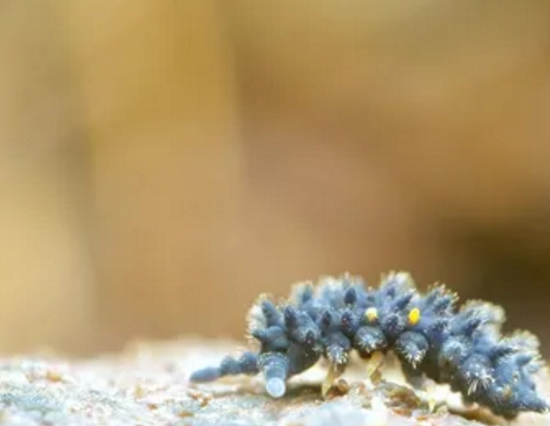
431, 390
423, 384
338, 355
333, 373
414, 377
374, 363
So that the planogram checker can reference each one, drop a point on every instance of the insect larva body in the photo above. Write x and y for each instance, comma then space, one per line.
430, 335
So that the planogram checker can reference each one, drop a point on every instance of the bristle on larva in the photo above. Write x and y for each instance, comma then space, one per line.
431, 336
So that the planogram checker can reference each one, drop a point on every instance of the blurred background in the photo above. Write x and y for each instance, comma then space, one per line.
162, 163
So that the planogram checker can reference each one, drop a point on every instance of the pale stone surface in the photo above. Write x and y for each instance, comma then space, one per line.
147, 385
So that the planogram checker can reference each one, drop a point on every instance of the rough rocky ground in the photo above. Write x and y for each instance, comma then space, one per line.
147, 385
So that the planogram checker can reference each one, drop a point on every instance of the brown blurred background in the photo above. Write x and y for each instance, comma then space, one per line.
162, 163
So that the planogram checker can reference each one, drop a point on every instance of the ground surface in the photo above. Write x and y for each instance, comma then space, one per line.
147, 385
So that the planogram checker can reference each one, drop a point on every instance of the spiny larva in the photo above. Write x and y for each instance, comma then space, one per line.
430, 335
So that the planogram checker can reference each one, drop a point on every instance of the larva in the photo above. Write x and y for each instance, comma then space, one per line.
429, 333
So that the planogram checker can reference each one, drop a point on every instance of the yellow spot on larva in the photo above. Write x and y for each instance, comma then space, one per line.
371, 314
414, 316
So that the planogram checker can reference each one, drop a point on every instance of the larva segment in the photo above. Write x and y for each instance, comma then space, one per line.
369, 339
256, 318
246, 364
301, 293
411, 348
